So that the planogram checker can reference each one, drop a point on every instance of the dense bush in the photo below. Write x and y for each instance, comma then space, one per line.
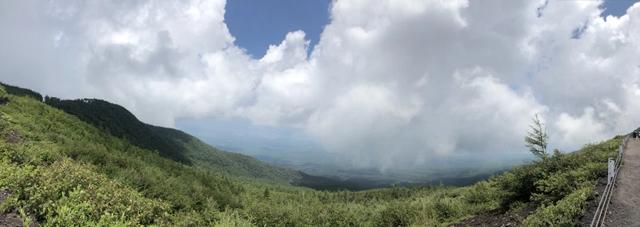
401, 214
562, 213
68, 194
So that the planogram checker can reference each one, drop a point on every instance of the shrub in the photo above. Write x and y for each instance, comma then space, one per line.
68, 194
518, 184
564, 212
557, 186
232, 218
481, 192
397, 214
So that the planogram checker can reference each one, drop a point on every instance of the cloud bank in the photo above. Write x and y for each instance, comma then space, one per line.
392, 84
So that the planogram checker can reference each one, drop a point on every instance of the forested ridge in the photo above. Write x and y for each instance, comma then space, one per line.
169, 143
120, 123
63, 170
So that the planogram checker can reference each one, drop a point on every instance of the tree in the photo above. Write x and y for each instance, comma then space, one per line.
536, 138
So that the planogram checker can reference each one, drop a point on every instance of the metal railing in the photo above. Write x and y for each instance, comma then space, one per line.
612, 175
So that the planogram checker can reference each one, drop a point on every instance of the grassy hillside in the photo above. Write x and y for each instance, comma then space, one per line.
62, 171
170, 143
208, 157
65, 171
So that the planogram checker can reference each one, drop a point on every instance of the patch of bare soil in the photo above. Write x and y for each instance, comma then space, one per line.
11, 219
13, 137
624, 209
496, 219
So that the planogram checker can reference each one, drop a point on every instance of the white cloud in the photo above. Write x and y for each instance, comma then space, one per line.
393, 84
583, 128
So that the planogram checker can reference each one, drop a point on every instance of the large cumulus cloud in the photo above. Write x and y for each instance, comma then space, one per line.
392, 84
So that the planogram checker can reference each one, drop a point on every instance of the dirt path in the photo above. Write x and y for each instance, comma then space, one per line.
624, 209
9, 219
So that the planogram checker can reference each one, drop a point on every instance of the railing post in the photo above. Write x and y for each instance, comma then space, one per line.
611, 171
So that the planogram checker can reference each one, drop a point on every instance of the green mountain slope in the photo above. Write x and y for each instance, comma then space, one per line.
121, 123
170, 143
61, 171
208, 157
66, 172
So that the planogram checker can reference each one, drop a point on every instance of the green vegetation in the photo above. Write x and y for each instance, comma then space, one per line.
62, 171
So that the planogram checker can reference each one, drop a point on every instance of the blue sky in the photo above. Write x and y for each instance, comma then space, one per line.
258, 24
617, 7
